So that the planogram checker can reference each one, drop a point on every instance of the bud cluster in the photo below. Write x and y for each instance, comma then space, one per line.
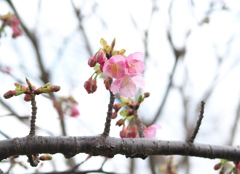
30, 89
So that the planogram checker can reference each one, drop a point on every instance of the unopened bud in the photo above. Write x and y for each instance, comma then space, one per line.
92, 61
55, 88
217, 166
117, 106
90, 85
101, 57
146, 94
45, 157
114, 115
120, 122
11, 93
108, 82
27, 97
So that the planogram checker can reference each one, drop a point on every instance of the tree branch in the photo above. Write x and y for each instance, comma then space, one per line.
133, 148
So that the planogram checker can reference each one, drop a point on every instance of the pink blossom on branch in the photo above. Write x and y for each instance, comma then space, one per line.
127, 72
115, 67
127, 86
134, 63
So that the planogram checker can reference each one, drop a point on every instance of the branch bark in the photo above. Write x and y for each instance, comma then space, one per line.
93, 145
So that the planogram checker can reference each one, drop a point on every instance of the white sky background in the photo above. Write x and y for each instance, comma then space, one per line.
57, 22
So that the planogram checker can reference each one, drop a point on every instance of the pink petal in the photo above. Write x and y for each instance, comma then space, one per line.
128, 87
115, 67
138, 80
136, 55
115, 86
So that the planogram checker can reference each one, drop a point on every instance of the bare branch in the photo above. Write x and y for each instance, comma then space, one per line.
130, 147
196, 129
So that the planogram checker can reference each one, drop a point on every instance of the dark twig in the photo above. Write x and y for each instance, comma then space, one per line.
34, 109
33, 159
196, 129
109, 114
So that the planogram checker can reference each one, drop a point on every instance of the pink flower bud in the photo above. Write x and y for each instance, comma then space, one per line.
90, 85
92, 61
114, 115
133, 133
108, 82
54, 88
74, 111
27, 97
9, 94
117, 106
101, 57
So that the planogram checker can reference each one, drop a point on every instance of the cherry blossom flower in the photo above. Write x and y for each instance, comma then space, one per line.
151, 131
127, 86
134, 63
115, 67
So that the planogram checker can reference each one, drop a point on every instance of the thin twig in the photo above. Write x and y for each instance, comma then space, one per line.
109, 114
140, 128
196, 129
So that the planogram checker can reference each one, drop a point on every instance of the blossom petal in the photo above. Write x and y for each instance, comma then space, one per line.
115, 67
115, 86
136, 55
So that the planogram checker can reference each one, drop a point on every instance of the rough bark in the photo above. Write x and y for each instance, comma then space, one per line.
97, 145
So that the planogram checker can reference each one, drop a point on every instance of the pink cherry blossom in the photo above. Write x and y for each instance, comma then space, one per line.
134, 63
127, 86
150, 132
74, 111
115, 67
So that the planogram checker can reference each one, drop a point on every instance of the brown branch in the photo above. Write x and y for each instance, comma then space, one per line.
198, 124
140, 128
130, 147
109, 115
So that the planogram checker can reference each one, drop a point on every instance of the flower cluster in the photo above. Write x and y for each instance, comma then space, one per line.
125, 70
10, 20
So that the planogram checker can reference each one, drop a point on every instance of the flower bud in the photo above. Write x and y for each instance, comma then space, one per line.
9, 94
27, 97
45, 157
114, 115
90, 85
120, 122
101, 57
217, 166
108, 82
54, 88
117, 106
74, 111
92, 61
133, 133
146, 94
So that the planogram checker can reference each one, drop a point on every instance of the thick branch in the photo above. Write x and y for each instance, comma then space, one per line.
134, 148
